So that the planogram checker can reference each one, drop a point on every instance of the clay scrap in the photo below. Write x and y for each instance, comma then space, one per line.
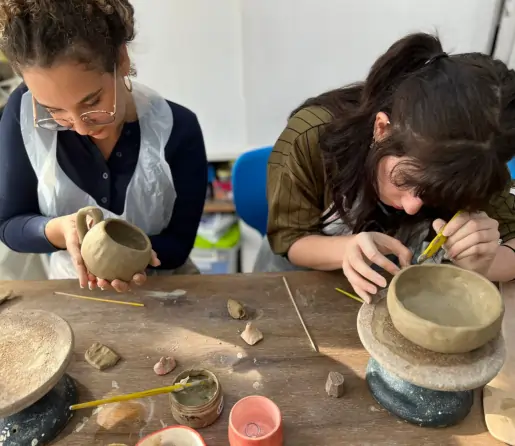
251, 335
335, 385
6, 295
130, 415
236, 309
101, 357
165, 365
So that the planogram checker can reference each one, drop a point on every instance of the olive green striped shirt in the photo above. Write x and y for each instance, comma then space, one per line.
298, 193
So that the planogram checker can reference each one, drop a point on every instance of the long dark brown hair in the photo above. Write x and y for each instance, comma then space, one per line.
450, 117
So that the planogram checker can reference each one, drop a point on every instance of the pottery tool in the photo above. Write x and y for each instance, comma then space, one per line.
300, 315
436, 244
121, 302
352, 296
144, 394
499, 394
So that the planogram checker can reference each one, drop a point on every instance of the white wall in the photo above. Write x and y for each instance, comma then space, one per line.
242, 65
190, 52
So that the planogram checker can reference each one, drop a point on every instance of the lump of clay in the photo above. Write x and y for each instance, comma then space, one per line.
125, 415
236, 309
335, 385
251, 335
165, 365
101, 357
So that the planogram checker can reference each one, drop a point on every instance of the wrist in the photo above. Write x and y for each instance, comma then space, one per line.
54, 232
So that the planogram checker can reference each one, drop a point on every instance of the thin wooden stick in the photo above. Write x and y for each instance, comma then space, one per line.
137, 395
300, 316
359, 299
121, 302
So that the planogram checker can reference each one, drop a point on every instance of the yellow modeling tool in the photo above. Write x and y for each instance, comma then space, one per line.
435, 245
144, 394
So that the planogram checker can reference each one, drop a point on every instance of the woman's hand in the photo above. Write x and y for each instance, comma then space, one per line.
473, 240
367, 248
122, 287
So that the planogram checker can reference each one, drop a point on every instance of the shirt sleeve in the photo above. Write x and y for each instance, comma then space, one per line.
186, 155
295, 186
22, 227
502, 209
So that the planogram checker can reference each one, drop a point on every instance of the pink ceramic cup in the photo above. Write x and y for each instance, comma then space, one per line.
173, 435
255, 421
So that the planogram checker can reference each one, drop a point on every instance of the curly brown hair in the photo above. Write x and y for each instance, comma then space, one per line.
44, 32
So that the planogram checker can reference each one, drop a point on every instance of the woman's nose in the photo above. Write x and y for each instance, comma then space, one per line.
411, 204
81, 127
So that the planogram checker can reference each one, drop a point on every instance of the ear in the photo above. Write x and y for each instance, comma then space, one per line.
381, 125
124, 62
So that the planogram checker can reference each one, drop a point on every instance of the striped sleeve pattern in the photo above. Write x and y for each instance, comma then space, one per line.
296, 180
502, 209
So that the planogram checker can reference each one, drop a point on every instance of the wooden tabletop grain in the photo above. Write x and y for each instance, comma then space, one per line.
196, 329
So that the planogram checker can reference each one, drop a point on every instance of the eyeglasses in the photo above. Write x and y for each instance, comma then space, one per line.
90, 118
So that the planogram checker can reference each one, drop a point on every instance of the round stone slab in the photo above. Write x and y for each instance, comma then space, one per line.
424, 368
35, 349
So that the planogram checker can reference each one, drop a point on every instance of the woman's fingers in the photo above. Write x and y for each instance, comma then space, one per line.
103, 284
154, 261
363, 269
74, 250
120, 286
393, 246
475, 243
139, 279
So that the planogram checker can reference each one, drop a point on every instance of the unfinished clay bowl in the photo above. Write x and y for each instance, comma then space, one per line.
444, 308
112, 248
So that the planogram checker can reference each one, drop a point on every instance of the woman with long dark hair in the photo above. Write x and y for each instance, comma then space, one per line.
372, 170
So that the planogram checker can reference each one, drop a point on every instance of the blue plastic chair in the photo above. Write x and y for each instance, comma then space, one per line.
249, 188
511, 167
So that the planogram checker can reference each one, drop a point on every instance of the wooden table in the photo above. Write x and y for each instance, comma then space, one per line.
196, 329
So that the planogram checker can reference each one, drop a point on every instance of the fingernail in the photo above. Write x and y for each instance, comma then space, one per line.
90, 286
82, 286
103, 289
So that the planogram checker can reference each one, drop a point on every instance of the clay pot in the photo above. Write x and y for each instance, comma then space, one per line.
112, 248
444, 308
201, 415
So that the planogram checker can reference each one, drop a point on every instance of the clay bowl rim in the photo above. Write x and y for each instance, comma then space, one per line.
264, 437
30, 399
169, 428
417, 318
108, 221
195, 372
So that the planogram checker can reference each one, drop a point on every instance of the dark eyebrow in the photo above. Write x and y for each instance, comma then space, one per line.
82, 101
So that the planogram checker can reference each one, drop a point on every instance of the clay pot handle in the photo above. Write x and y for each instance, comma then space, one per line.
82, 225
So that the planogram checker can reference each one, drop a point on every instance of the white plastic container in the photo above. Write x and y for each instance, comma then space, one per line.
216, 261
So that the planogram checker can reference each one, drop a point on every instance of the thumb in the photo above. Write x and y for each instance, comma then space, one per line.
438, 224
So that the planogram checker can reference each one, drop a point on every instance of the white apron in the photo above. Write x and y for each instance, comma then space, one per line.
150, 195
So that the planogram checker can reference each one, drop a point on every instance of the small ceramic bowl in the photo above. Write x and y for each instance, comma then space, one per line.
255, 421
444, 308
173, 436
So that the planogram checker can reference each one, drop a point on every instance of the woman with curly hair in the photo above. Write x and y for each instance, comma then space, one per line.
79, 132
372, 170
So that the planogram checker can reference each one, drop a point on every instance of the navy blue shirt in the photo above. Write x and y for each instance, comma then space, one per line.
22, 227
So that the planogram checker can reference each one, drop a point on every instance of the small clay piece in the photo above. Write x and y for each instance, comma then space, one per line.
123, 415
101, 357
251, 335
444, 308
335, 385
165, 365
5, 296
236, 309
113, 248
